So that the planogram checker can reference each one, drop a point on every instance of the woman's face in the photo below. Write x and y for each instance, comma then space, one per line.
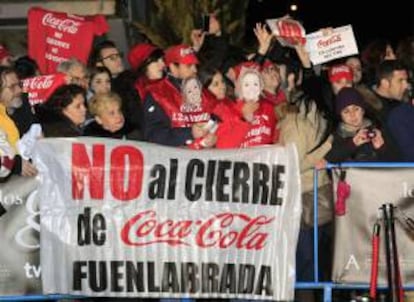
155, 70
217, 86
353, 115
101, 83
271, 78
111, 117
76, 111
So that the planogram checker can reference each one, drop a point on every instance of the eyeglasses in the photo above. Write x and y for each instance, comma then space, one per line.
113, 57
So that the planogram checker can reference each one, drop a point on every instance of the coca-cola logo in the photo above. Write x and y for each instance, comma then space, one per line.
217, 231
186, 51
340, 69
42, 82
331, 40
63, 25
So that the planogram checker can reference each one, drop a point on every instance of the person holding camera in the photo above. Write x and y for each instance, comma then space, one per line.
356, 138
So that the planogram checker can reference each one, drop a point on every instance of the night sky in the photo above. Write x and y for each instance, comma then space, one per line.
388, 19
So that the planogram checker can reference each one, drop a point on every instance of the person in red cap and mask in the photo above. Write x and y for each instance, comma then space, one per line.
168, 121
5, 57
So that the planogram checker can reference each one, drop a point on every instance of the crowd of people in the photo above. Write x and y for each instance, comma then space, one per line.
212, 95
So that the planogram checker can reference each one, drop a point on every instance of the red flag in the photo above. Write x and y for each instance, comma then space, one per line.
55, 37
41, 87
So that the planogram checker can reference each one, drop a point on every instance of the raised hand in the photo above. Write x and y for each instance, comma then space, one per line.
263, 37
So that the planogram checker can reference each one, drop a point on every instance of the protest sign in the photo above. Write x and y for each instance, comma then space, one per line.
136, 219
339, 43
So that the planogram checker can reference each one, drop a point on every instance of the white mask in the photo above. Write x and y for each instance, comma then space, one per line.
192, 91
250, 87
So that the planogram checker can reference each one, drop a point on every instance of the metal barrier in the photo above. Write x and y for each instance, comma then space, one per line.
328, 287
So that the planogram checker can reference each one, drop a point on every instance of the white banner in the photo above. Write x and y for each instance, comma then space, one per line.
122, 218
20, 272
338, 44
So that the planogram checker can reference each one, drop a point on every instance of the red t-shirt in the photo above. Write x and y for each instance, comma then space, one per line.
55, 37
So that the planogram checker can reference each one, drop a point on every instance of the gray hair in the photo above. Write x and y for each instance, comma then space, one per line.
67, 65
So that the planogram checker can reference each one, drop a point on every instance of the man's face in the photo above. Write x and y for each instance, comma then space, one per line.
250, 87
183, 71
78, 76
111, 58
11, 91
398, 84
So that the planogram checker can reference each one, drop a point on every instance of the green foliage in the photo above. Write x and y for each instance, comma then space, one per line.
171, 21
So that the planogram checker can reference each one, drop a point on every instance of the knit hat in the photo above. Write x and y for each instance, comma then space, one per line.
338, 72
181, 54
139, 54
348, 96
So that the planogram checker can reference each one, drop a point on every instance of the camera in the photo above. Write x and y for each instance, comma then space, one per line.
371, 132
205, 23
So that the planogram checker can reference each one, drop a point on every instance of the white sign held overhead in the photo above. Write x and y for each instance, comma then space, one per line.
339, 43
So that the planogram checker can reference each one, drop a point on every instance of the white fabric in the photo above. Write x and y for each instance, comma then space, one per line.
203, 234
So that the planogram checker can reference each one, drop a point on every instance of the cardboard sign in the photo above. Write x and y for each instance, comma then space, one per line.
324, 48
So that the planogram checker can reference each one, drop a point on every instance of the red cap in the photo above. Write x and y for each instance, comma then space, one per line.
4, 52
182, 54
338, 72
139, 53
243, 66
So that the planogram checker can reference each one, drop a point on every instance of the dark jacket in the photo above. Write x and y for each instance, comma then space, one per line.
158, 128
400, 123
96, 130
23, 116
132, 109
344, 149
